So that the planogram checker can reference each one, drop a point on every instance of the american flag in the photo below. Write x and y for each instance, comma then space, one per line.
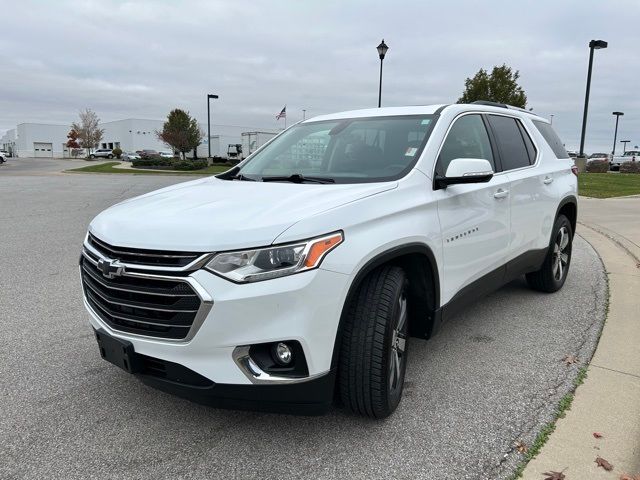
282, 114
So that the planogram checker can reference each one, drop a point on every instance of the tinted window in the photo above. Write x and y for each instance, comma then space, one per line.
531, 148
467, 138
513, 151
546, 130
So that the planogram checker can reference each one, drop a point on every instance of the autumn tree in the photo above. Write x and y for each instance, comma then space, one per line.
88, 130
72, 142
501, 86
181, 132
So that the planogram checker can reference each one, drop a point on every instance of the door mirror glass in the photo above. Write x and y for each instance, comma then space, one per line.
465, 170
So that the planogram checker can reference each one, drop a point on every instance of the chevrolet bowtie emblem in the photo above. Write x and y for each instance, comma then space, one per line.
110, 268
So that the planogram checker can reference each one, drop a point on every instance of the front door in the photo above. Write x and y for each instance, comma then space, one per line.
474, 218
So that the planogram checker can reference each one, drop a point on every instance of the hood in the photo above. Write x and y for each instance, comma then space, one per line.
214, 215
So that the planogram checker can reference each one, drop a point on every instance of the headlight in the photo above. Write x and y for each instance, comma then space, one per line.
278, 261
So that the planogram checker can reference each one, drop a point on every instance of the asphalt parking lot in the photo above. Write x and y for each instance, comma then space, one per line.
492, 377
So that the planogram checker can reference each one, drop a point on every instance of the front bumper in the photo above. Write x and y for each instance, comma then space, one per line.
304, 307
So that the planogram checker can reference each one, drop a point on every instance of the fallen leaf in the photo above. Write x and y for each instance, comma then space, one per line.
521, 446
626, 476
570, 359
601, 462
597, 435
554, 475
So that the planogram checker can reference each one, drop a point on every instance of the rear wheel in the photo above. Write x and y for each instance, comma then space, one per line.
552, 275
373, 354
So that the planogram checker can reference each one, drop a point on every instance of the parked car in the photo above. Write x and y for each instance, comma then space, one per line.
167, 154
102, 153
147, 153
306, 269
3, 156
600, 156
129, 156
573, 153
628, 156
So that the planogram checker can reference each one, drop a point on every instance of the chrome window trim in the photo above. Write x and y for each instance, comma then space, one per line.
206, 303
484, 112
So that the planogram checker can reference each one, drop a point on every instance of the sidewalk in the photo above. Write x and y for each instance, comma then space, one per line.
609, 400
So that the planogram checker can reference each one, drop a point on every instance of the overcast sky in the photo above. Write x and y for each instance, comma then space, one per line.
142, 58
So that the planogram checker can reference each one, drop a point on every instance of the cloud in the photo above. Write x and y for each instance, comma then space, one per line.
142, 58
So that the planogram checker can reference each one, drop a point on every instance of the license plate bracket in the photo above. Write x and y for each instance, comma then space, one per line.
117, 351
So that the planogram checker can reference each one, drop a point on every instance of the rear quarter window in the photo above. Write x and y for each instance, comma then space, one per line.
551, 137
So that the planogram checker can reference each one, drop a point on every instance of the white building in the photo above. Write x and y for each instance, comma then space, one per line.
130, 135
36, 140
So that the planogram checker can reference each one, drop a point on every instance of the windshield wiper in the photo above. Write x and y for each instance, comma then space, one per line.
240, 176
298, 178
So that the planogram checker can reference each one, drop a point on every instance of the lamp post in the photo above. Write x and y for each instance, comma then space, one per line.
209, 97
382, 51
615, 134
624, 145
551, 119
593, 45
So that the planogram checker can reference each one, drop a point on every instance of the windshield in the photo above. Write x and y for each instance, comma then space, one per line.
346, 151
631, 153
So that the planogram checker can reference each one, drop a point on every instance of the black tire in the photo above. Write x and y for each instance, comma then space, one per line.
109, 157
553, 273
92, 156
373, 353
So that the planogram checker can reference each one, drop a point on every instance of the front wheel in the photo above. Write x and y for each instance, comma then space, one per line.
92, 156
373, 354
551, 277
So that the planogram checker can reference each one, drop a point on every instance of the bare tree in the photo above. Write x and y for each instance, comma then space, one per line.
88, 132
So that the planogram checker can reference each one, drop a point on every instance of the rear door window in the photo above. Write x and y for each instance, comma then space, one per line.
511, 144
549, 134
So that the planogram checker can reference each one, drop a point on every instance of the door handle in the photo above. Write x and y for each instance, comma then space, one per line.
547, 180
501, 193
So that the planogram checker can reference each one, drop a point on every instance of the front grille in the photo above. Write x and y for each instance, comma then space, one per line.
151, 307
139, 256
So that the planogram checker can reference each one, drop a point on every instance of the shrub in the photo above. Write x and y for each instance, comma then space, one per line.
598, 166
630, 167
189, 164
117, 152
152, 162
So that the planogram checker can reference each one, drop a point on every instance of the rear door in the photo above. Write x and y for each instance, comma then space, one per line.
474, 218
533, 198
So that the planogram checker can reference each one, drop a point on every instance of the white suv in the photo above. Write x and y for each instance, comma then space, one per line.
304, 270
102, 153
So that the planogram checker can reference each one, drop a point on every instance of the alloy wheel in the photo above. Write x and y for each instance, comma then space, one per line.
398, 346
561, 253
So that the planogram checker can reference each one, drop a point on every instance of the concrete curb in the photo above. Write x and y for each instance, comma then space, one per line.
609, 400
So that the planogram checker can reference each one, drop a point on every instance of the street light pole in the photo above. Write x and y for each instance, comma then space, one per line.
624, 145
209, 97
615, 135
551, 119
593, 45
382, 51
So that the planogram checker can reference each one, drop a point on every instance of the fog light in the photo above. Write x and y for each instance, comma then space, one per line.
282, 354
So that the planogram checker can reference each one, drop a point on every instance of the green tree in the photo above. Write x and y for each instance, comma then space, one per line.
181, 132
499, 86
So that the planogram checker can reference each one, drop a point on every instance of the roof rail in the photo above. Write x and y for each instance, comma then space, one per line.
490, 104
504, 105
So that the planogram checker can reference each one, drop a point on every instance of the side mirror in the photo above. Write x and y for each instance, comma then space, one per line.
465, 170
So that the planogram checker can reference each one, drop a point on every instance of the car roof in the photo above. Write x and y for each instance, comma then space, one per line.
488, 107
